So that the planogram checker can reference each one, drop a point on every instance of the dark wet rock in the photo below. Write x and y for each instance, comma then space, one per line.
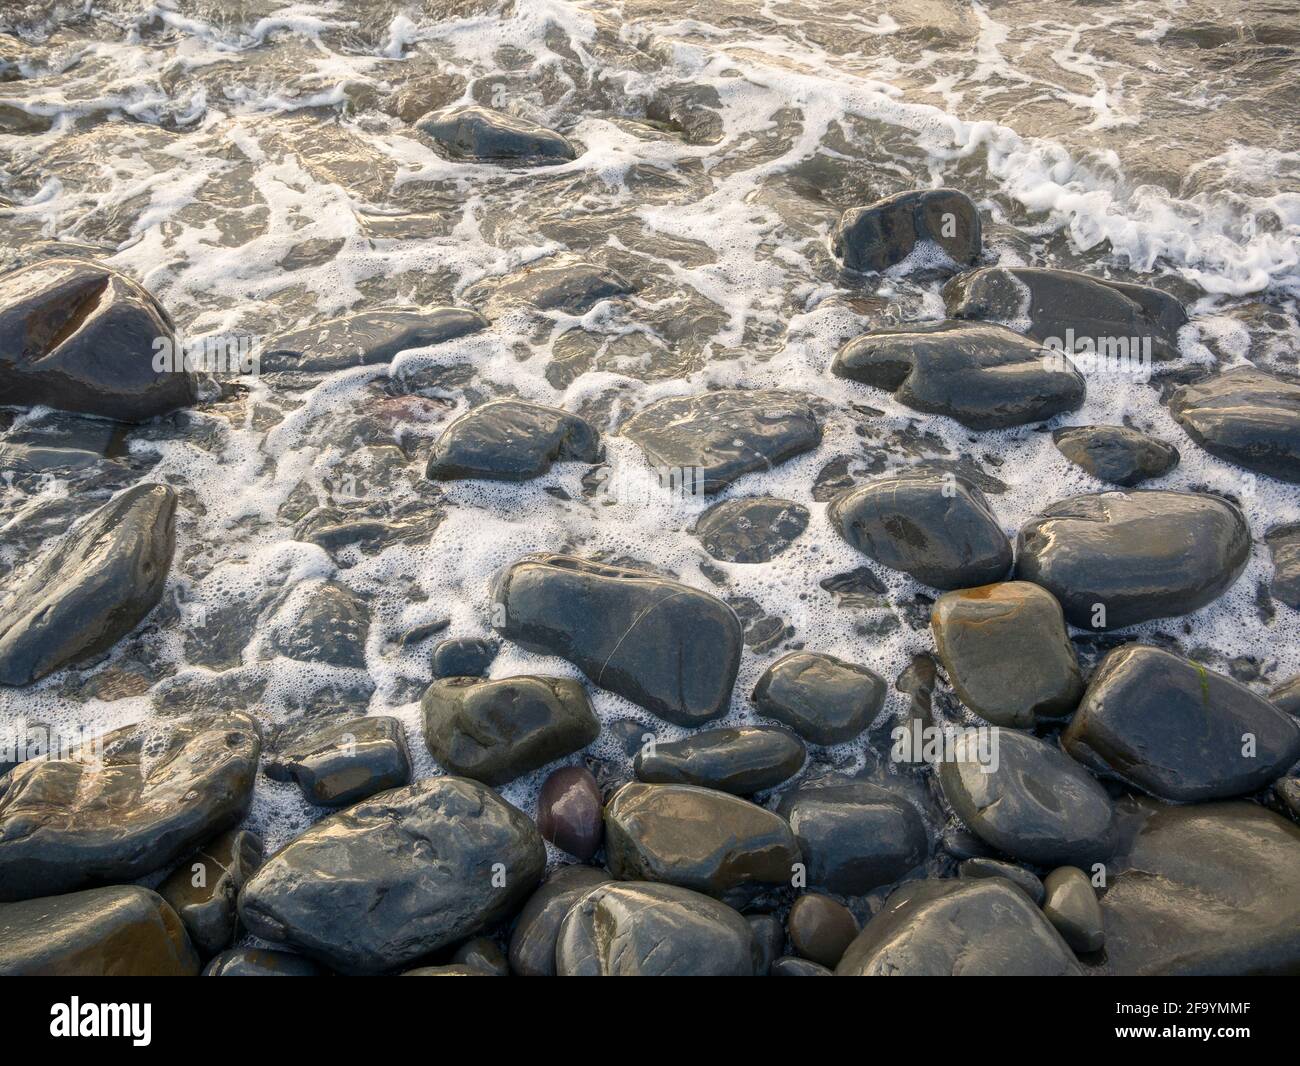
961, 843
397, 877
821, 929
694, 111
511, 440
1116, 454
938, 529
769, 940
570, 811
1287, 695
698, 838
451, 969
636, 929
464, 657
1284, 545
482, 953
823, 699
1286, 791
1048, 303
90, 590
122, 931
532, 943
331, 627
77, 336
665, 646
344, 761
1245, 416
1071, 905
751, 529
724, 434
985, 376
1007, 653
203, 889
955, 928
365, 339
257, 962
482, 135
495, 731
158, 793
1114, 559
1030, 800
1205, 890
565, 284
1172, 728
883, 234
975, 868
854, 836
791, 966
741, 760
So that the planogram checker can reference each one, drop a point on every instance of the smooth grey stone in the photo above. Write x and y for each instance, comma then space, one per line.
1286, 790
1007, 652
1287, 695
1284, 546
345, 761
1071, 905
821, 929
940, 530
511, 440
1116, 454
724, 435
985, 376
331, 627
482, 135
464, 657
365, 339
570, 811
1205, 890
495, 731
203, 889
751, 529
397, 877
691, 110
1245, 416
701, 839
159, 792
257, 962
855, 836
452, 969
1139, 555
791, 966
636, 929
978, 867
883, 234
27, 459
665, 646
532, 942
769, 938
482, 953
121, 931
823, 699
1032, 802
954, 928
92, 588
78, 336
741, 760
1052, 302
573, 286
1172, 728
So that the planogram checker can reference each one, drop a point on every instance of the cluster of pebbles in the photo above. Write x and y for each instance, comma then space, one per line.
1134, 814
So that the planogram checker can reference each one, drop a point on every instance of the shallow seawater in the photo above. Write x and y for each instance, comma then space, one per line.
254, 165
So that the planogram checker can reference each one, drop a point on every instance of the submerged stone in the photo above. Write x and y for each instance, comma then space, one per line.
92, 588
365, 339
1116, 454
750, 529
480, 134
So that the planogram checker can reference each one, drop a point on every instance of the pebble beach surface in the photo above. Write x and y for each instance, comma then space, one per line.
565, 487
